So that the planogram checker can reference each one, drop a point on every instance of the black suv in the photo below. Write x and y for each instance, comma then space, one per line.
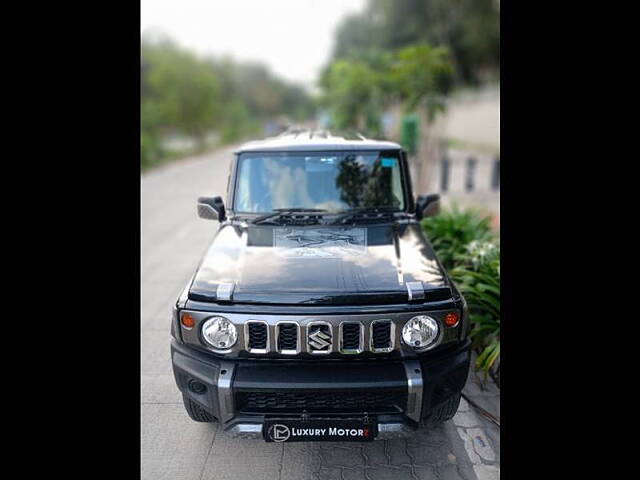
320, 311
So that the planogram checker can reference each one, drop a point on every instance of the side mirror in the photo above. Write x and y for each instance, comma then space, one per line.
211, 208
427, 206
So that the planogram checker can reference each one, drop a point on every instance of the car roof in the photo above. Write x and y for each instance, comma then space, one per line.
315, 140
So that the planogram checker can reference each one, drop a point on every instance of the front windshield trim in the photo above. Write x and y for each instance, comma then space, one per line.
286, 153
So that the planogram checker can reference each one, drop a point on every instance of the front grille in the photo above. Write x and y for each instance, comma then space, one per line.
287, 337
351, 336
381, 335
387, 401
319, 337
258, 336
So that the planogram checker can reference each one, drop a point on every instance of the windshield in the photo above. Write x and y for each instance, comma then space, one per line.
332, 181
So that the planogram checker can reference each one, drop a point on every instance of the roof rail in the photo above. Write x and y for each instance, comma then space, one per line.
293, 131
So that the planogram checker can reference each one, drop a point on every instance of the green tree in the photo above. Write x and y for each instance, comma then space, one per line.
469, 29
185, 94
353, 96
422, 74
179, 91
357, 92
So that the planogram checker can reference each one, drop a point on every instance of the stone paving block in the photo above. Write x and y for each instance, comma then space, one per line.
156, 300
374, 452
468, 446
300, 461
489, 402
466, 471
155, 353
481, 444
492, 432
340, 456
172, 446
429, 455
159, 389
397, 451
473, 389
426, 473
357, 473
329, 473
158, 319
450, 472
458, 449
466, 419
390, 472
433, 434
226, 446
236, 468
149, 321
487, 472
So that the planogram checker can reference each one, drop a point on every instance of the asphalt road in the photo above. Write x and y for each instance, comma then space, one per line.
174, 447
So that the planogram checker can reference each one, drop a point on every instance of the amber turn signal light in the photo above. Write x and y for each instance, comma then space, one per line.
451, 320
188, 321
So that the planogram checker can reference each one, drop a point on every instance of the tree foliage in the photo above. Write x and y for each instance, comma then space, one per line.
469, 29
178, 91
353, 95
422, 73
182, 93
356, 92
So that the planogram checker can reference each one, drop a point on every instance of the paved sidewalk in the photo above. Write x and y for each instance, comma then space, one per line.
481, 435
173, 447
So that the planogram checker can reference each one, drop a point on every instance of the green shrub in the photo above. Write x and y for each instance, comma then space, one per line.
478, 278
150, 150
470, 252
454, 229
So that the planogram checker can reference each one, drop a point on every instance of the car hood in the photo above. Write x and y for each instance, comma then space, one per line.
368, 264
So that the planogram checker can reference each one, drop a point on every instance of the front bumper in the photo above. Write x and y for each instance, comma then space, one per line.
242, 393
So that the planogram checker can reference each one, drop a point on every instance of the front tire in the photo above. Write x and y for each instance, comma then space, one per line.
195, 411
447, 410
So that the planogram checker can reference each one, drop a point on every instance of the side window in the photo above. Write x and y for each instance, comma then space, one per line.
396, 186
229, 182
242, 189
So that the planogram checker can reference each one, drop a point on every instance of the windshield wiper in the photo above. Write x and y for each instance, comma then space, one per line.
281, 212
361, 211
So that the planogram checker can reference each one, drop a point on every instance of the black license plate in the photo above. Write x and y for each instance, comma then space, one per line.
319, 430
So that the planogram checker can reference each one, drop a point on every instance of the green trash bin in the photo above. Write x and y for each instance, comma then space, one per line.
409, 135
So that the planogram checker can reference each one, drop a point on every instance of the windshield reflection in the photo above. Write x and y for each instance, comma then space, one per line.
333, 181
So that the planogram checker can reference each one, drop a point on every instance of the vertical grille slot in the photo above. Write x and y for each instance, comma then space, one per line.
382, 336
258, 337
351, 337
287, 341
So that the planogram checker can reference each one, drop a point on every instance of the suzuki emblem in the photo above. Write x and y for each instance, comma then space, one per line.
320, 340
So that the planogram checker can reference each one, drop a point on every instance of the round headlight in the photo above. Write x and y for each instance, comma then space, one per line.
220, 333
420, 332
